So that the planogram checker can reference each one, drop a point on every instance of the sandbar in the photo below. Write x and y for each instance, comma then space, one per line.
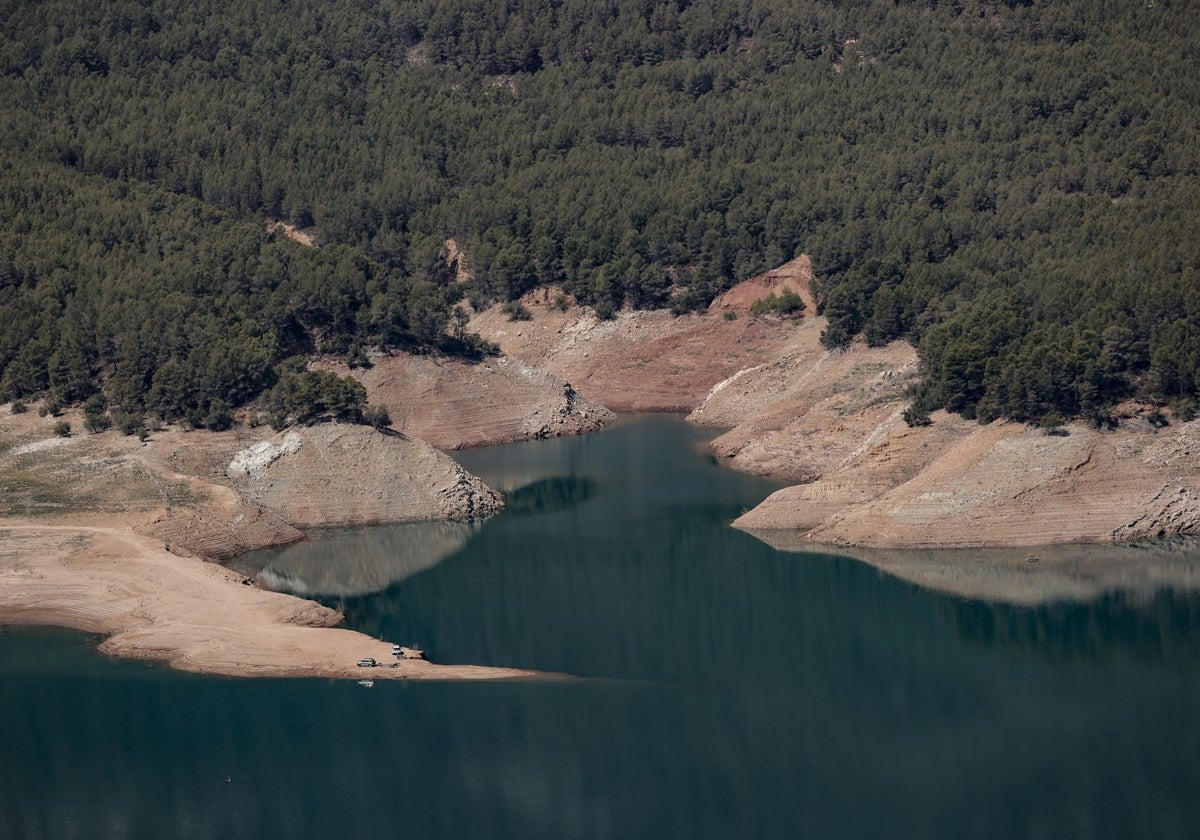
102, 577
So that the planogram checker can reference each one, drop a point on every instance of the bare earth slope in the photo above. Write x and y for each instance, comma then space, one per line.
834, 421
106, 534
809, 410
637, 361
452, 404
329, 474
1007, 484
795, 276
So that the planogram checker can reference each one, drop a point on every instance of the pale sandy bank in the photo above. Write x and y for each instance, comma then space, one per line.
107, 534
193, 615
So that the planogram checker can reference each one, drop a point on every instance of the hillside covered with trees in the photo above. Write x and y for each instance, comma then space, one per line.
1012, 186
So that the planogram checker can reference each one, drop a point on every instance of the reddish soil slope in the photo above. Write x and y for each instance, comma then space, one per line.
453, 404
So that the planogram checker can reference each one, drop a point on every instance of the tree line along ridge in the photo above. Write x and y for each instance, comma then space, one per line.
1010, 186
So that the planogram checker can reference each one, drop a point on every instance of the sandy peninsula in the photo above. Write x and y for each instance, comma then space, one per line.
193, 615
107, 534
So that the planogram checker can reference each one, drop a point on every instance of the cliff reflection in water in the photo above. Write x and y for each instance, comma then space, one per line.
549, 495
347, 562
1027, 575
344, 562
1163, 628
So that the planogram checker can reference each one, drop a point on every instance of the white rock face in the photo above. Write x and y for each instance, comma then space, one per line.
255, 460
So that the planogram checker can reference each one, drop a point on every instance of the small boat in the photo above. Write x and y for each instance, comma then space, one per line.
366, 683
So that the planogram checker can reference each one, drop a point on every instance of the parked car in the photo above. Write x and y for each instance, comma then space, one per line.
367, 663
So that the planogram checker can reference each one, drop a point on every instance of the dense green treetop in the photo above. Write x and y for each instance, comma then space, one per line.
1012, 186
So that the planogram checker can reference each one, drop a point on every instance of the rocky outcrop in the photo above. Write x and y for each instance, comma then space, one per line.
834, 420
1004, 484
451, 403
809, 411
335, 474
219, 532
254, 460
217, 494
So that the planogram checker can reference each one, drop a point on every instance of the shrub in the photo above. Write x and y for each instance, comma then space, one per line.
357, 358
219, 417
689, 301
1102, 418
95, 413
517, 311
377, 416
19, 407
1184, 409
307, 395
96, 423
1157, 419
126, 423
729, 315
915, 416
836, 338
95, 404
62, 428
786, 304
53, 406
789, 303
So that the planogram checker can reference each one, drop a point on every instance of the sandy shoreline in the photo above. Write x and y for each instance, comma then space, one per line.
108, 534
191, 614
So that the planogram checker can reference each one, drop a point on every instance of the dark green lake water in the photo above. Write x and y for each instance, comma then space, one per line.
728, 690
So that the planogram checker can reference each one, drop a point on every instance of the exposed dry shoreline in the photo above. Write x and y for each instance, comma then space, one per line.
193, 615
832, 421
104, 534
455, 404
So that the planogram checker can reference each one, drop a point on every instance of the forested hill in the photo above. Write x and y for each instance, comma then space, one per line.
1013, 186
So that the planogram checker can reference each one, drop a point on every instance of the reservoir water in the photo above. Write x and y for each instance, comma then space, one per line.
721, 689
